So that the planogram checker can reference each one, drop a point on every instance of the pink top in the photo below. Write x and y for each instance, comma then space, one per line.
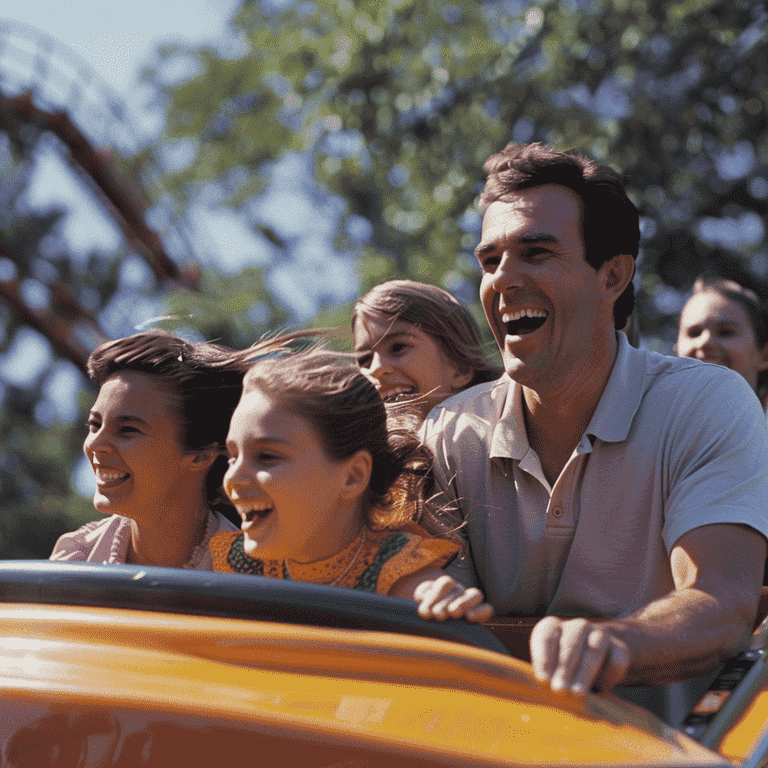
107, 541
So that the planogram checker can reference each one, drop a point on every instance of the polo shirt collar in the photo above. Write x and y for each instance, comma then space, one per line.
621, 397
510, 439
612, 418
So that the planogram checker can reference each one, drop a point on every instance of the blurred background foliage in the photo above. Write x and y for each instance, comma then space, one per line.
369, 121
397, 104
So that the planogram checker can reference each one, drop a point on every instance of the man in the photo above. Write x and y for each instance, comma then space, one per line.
598, 481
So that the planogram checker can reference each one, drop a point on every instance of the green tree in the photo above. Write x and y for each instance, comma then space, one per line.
398, 103
37, 449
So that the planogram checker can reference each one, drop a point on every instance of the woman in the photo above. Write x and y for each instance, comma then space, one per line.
156, 445
724, 323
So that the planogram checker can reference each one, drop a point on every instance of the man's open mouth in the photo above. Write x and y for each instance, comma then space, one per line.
109, 477
524, 321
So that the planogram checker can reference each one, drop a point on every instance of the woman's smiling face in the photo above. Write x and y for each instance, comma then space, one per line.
134, 448
294, 500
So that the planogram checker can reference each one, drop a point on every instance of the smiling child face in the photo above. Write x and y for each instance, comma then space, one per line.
294, 500
716, 329
406, 363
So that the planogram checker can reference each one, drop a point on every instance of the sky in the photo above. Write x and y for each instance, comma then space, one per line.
116, 40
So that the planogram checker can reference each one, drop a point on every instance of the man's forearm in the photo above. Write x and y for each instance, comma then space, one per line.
682, 636
678, 637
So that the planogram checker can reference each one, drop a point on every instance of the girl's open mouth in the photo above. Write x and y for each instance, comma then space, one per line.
254, 515
399, 393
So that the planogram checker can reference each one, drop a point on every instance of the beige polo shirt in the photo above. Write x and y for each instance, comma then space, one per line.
674, 444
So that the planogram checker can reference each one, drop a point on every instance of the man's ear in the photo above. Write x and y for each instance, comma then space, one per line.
358, 475
617, 274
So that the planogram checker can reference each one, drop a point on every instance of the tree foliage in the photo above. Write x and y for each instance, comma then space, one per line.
37, 450
399, 102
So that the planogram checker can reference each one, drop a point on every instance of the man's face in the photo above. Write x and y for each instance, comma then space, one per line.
542, 299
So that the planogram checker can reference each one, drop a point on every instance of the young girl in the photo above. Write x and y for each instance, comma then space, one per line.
328, 490
418, 343
725, 323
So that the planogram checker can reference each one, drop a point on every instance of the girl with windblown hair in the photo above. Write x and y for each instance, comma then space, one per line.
329, 488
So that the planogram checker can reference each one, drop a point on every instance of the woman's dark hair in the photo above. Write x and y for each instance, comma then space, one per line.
203, 380
439, 315
610, 221
754, 309
348, 414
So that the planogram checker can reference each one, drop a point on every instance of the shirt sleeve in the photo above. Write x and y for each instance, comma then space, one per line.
417, 555
462, 567
100, 541
718, 464
74, 545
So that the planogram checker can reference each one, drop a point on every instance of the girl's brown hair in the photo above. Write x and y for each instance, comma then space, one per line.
438, 314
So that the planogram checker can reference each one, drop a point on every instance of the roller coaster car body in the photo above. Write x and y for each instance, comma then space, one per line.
131, 666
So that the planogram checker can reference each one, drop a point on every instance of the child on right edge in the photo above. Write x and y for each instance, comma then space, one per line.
330, 489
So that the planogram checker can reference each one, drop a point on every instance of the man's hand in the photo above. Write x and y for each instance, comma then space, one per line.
445, 597
707, 618
577, 655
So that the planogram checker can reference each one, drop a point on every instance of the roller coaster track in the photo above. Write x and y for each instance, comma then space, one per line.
46, 88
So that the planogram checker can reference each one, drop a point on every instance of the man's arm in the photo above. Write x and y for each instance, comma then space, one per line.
706, 619
444, 497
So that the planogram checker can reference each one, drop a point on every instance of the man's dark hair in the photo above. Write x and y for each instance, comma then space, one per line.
610, 221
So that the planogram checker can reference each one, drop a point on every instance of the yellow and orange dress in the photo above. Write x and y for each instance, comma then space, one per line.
373, 562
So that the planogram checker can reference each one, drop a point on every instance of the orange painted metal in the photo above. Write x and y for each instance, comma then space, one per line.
90, 686
742, 738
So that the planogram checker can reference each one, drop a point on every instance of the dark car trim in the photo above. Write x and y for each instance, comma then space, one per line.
237, 596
